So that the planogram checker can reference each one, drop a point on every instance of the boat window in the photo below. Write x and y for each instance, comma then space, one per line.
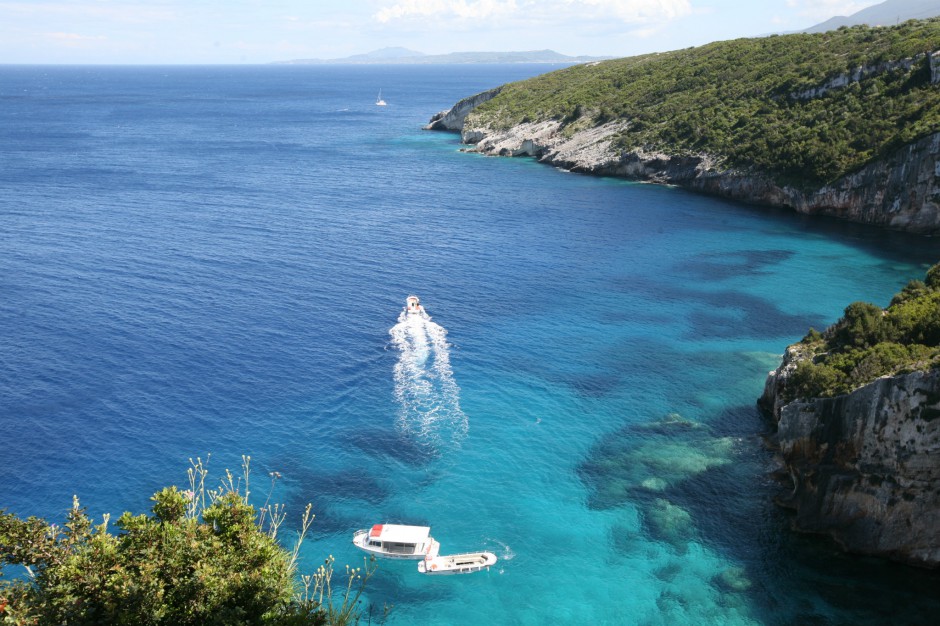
373, 542
400, 548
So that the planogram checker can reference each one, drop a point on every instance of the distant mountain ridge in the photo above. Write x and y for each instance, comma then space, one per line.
405, 56
888, 13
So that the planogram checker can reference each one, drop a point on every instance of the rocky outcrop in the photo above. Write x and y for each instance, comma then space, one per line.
864, 467
861, 73
453, 118
901, 191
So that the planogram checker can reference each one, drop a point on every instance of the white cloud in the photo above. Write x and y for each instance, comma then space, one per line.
132, 12
644, 33
635, 11
463, 9
558, 11
75, 37
74, 40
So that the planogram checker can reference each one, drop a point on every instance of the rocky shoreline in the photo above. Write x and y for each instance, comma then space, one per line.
863, 468
900, 192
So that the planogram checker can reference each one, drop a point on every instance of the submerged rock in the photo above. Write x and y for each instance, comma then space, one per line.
671, 422
670, 523
732, 579
650, 458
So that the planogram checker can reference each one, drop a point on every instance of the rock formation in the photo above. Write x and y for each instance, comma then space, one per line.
901, 191
865, 467
453, 118
861, 73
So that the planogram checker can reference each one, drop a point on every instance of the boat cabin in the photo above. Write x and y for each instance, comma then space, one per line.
413, 305
397, 541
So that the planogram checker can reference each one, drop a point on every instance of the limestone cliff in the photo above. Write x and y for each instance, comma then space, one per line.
453, 118
865, 467
900, 192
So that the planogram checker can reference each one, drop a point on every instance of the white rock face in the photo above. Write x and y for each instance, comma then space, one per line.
453, 118
859, 74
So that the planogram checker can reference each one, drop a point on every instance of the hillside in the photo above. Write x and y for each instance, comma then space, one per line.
759, 102
780, 120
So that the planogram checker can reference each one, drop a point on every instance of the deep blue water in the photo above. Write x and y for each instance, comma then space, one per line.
212, 260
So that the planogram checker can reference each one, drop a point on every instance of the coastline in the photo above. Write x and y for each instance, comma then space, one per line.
899, 192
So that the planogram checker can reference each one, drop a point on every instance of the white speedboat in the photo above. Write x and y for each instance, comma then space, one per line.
466, 563
397, 541
413, 306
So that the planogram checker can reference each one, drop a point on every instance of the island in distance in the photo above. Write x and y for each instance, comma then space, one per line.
405, 56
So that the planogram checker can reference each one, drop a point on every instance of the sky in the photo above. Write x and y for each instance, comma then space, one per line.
264, 31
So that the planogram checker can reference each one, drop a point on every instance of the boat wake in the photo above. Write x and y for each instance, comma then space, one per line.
425, 388
500, 548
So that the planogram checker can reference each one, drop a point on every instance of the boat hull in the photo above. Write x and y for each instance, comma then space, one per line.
466, 563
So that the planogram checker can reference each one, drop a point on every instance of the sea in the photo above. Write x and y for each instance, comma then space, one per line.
211, 262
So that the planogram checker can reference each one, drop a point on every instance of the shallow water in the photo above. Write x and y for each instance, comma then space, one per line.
213, 260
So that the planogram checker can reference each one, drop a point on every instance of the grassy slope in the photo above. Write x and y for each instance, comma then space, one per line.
734, 99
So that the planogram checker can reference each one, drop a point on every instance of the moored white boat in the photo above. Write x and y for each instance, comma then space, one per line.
465, 563
397, 541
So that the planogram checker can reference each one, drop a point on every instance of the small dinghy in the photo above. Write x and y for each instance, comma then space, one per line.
466, 563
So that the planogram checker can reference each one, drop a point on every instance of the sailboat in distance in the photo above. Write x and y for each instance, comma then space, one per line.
378, 101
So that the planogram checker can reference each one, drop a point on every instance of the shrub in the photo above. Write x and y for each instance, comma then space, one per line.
912, 289
860, 326
933, 277
811, 380
188, 563
813, 336
867, 343
881, 360
916, 320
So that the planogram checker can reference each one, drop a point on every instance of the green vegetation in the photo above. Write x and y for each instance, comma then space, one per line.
868, 342
747, 102
203, 557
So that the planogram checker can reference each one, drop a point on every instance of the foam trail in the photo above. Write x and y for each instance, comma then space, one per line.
425, 388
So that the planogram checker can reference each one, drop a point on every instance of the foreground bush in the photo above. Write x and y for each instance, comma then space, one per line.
201, 557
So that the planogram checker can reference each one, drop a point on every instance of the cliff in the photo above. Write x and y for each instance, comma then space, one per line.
453, 118
900, 192
857, 416
865, 466
844, 124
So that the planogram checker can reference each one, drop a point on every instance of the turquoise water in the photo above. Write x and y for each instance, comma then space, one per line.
213, 260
